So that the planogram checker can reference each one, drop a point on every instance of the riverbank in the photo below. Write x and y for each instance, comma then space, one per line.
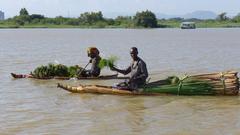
161, 24
201, 24
53, 26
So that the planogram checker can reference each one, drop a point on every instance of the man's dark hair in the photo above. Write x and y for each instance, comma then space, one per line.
134, 50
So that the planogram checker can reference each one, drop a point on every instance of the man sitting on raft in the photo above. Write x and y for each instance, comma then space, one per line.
138, 72
93, 53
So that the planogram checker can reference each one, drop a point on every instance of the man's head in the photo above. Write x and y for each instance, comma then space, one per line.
134, 53
92, 52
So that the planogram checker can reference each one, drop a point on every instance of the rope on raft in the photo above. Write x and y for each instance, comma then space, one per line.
181, 83
222, 78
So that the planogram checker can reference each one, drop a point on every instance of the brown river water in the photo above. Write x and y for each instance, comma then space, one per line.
29, 106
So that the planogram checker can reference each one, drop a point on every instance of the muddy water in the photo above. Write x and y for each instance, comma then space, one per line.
38, 107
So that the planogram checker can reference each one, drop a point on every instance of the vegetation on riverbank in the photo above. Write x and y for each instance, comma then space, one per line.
144, 19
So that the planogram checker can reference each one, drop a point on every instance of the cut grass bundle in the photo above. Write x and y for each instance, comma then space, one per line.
204, 84
73, 71
176, 86
109, 62
52, 70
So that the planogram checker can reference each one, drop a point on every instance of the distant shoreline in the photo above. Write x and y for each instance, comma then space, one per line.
96, 20
166, 25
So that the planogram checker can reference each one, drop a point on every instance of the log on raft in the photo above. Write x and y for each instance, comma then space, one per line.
226, 83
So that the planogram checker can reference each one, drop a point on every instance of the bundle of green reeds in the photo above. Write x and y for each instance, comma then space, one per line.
52, 70
73, 71
108, 62
205, 84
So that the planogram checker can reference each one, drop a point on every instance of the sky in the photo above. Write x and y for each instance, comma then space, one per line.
73, 8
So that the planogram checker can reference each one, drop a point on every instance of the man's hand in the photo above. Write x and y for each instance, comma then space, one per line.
113, 68
90, 61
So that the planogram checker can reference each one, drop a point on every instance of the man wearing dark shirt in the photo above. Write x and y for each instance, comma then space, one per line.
137, 69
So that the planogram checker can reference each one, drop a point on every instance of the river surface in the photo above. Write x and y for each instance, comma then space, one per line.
29, 106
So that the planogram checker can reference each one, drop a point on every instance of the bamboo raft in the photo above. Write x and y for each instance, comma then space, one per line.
102, 77
224, 83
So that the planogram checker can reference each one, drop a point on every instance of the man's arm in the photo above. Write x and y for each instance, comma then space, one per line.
125, 72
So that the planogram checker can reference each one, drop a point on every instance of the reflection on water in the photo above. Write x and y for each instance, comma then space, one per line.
29, 106
135, 116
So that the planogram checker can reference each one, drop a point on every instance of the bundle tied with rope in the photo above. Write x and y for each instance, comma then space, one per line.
224, 83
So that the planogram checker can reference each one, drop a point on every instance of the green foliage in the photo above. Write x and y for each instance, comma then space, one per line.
177, 19
36, 16
72, 21
222, 17
101, 24
24, 18
23, 12
124, 21
42, 72
177, 86
91, 17
110, 21
59, 70
96, 20
145, 19
74, 70
21, 20
109, 62
59, 20
236, 19
49, 21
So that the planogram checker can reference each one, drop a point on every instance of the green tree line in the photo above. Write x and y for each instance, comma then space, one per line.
141, 19
144, 19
